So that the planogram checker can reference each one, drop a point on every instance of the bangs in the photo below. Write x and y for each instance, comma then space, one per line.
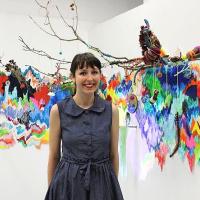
89, 61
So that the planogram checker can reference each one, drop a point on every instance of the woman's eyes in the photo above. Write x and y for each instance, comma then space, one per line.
95, 72
84, 73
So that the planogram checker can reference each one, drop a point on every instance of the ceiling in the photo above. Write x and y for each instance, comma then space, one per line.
95, 11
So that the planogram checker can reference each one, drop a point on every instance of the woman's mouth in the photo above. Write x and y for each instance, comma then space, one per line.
89, 86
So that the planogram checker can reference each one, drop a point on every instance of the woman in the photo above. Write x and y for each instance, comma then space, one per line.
87, 127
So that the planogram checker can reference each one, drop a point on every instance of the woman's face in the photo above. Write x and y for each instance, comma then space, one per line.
87, 79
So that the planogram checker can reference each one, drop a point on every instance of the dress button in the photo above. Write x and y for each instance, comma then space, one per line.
87, 132
86, 111
89, 142
86, 122
89, 153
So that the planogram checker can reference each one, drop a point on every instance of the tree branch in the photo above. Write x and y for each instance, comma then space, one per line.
26, 47
107, 57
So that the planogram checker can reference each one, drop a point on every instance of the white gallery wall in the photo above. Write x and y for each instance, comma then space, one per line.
23, 174
176, 24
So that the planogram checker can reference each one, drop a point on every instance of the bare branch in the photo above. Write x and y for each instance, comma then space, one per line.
68, 25
40, 52
48, 23
54, 34
42, 29
40, 5
104, 55
111, 60
76, 10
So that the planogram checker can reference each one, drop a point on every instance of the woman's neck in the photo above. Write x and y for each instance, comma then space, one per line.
84, 101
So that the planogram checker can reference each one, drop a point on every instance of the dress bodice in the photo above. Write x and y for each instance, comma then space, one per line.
85, 132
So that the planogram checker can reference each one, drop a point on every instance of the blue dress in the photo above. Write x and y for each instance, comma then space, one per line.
85, 171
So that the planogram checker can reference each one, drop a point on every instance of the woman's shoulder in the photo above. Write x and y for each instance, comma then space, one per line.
109, 104
61, 104
54, 111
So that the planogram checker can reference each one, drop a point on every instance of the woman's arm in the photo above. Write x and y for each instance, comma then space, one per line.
114, 139
54, 141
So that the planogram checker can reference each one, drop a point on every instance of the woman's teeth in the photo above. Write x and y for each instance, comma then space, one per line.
89, 85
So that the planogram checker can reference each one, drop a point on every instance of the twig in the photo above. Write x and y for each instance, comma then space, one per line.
40, 52
74, 28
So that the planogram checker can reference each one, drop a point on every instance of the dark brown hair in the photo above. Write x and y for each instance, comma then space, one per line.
84, 59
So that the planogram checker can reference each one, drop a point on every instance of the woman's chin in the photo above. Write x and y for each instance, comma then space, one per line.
89, 91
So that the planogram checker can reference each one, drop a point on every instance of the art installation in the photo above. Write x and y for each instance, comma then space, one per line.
161, 92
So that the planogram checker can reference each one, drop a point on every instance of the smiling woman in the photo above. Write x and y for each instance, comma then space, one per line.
88, 127
85, 72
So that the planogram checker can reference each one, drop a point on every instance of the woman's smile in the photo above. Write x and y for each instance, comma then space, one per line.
89, 86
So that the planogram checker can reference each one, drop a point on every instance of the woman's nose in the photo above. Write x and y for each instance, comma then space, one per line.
89, 76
